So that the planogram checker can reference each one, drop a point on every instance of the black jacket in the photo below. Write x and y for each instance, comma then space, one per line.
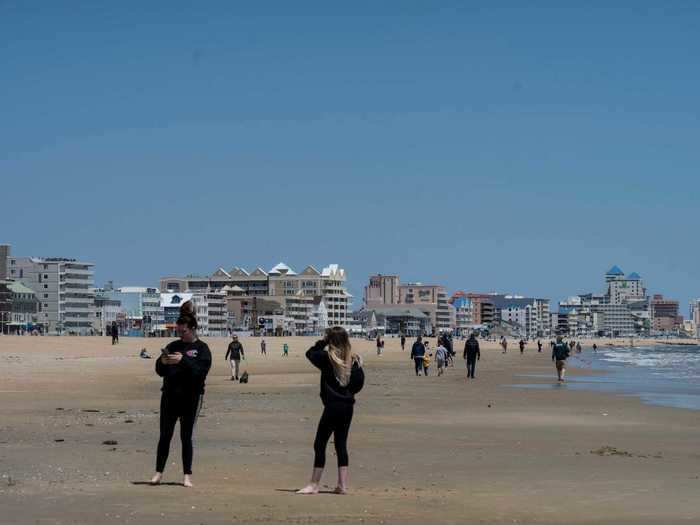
235, 351
331, 389
189, 375
560, 352
471, 349
417, 350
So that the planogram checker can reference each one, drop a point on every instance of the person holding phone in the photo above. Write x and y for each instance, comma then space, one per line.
341, 378
183, 365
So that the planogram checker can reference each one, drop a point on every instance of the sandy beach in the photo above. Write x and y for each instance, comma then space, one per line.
422, 449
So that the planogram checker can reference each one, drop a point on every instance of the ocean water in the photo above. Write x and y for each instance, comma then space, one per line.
658, 375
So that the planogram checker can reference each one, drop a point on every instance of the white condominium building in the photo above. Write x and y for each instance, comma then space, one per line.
64, 288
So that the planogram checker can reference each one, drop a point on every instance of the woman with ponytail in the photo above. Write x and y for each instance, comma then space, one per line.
183, 365
341, 378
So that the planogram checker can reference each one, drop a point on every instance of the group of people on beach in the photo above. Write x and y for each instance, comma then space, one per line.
185, 363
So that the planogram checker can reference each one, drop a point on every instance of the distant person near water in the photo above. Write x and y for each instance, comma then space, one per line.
183, 365
285, 350
380, 345
578, 348
539, 346
472, 354
595, 347
234, 354
417, 353
263, 346
522, 346
403, 342
504, 344
560, 354
341, 378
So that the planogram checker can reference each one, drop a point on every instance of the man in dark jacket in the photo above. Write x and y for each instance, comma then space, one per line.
560, 353
471, 355
234, 354
417, 353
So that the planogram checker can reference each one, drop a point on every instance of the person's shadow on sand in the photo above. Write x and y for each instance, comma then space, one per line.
162, 483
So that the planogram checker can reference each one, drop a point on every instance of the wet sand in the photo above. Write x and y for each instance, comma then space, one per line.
422, 449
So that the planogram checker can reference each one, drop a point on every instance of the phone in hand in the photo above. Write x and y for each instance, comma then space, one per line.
165, 352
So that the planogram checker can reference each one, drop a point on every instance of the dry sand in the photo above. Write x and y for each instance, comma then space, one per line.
422, 450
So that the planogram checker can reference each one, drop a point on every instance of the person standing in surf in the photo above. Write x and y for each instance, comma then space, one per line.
342, 377
560, 354
183, 365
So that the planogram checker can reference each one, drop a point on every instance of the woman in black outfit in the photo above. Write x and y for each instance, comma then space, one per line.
184, 366
341, 378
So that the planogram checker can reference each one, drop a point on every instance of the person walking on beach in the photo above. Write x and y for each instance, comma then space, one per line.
578, 347
426, 362
342, 377
522, 346
380, 345
595, 347
560, 353
504, 344
263, 346
417, 353
539, 346
441, 359
403, 342
471, 355
115, 333
234, 354
183, 365
285, 350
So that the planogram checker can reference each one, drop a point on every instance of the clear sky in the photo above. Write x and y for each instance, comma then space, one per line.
514, 149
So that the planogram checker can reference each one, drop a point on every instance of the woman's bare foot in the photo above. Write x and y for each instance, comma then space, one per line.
156, 479
311, 488
187, 482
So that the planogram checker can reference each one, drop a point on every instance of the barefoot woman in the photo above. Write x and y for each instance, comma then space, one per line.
183, 366
341, 378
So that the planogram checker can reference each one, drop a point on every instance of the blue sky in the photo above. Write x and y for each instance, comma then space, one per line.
512, 149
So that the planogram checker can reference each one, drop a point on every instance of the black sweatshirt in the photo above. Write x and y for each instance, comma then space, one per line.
189, 375
471, 349
331, 390
417, 350
235, 350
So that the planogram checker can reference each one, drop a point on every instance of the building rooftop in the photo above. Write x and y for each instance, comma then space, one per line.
282, 269
615, 270
18, 287
634, 276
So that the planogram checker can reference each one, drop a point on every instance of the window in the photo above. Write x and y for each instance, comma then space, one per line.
46, 267
46, 296
46, 286
21, 273
46, 276
46, 305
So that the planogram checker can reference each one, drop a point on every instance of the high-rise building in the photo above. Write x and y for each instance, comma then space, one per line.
64, 288
621, 289
382, 290
664, 314
293, 292
5, 252
432, 300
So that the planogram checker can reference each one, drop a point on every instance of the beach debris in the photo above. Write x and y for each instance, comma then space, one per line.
59, 408
59, 440
110, 442
128, 421
607, 450
90, 410
489, 405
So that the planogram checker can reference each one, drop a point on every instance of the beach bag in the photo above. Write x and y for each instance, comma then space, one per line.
357, 379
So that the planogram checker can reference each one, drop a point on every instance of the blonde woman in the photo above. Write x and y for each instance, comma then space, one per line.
341, 378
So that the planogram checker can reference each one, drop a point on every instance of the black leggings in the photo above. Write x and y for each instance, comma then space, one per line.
336, 419
184, 407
